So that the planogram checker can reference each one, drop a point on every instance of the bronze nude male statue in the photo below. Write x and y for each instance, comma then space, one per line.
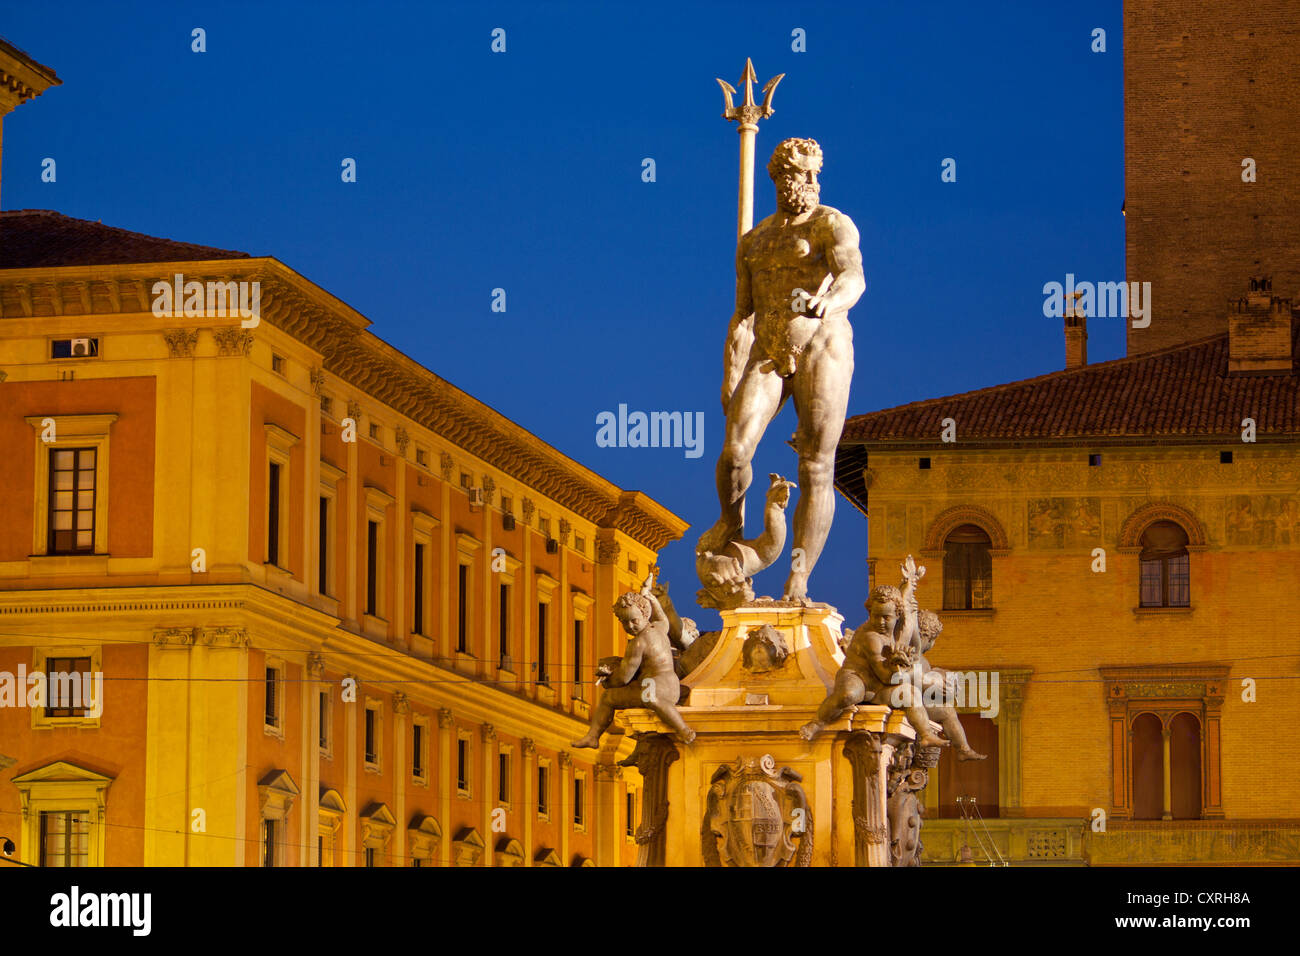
798, 272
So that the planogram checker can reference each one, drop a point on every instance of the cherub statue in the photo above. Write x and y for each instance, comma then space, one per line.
937, 685
878, 660
644, 676
690, 646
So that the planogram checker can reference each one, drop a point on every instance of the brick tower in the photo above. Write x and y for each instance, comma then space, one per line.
1206, 86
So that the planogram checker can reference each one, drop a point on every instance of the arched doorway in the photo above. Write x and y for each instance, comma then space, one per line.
1185, 767
1148, 767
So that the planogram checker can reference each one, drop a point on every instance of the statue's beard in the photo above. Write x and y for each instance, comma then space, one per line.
797, 197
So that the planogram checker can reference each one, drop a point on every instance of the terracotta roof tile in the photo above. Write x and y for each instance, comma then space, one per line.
1183, 391
41, 238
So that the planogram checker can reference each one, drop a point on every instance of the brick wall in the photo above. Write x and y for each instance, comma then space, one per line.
1208, 83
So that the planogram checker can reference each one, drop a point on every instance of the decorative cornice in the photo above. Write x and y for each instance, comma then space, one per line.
338, 333
609, 771
181, 342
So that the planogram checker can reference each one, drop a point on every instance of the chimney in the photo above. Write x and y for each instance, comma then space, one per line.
1259, 331
1076, 334
21, 78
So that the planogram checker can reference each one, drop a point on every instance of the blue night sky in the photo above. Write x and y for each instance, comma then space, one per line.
522, 171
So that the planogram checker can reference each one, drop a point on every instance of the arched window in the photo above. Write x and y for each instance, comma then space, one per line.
967, 569
1165, 575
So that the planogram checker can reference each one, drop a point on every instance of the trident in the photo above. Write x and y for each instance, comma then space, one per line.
747, 114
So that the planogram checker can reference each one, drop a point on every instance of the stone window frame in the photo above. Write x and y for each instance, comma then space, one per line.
509, 578
465, 792
422, 721
467, 549
934, 547
508, 752
546, 586
581, 604
40, 656
579, 821
423, 526
281, 669
1165, 690
375, 705
325, 689
280, 443
1130, 542
71, 431
62, 786
423, 840
377, 504
377, 828
330, 813
276, 794
632, 804
330, 476
544, 793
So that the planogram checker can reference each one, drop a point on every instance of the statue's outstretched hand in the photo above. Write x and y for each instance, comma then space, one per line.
911, 573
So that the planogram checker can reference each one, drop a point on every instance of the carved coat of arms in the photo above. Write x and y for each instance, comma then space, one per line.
756, 815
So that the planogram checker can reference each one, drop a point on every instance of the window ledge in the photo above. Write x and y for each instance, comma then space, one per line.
420, 780
545, 693
373, 768
1157, 611
41, 722
375, 627
271, 730
972, 612
68, 564
462, 794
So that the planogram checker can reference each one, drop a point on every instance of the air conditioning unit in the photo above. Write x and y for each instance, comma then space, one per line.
82, 347
508, 521
552, 546
475, 497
